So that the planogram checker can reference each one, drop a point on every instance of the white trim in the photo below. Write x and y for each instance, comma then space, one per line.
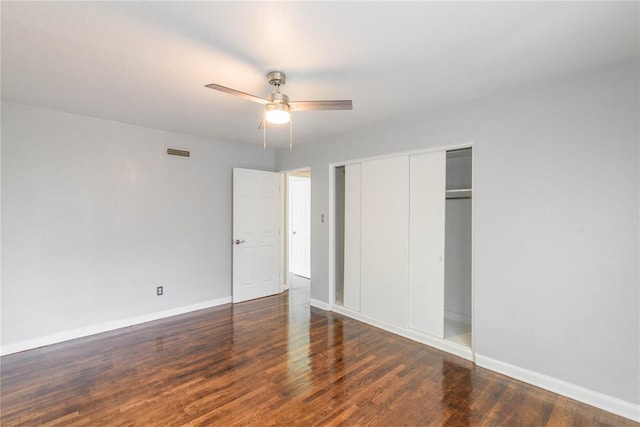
320, 304
457, 317
459, 146
473, 250
107, 326
431, 341
284, 227
332, 235
599, 400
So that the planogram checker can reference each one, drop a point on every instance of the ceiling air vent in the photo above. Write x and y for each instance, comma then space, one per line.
178, 152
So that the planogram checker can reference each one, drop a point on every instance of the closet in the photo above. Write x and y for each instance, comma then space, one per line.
457, 266
403, 244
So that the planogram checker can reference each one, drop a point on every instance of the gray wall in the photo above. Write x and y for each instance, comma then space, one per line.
95, 216
556, 220
457, 260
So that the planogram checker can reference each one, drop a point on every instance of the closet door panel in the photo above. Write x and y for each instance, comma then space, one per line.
385, 239
352, 214
427, 222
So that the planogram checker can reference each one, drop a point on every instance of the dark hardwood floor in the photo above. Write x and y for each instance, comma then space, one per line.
268, 362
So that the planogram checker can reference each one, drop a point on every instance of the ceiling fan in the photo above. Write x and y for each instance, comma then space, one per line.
278, 108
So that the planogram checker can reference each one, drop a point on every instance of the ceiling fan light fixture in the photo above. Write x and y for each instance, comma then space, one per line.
277, 113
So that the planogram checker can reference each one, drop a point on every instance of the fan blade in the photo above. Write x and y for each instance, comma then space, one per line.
345, 104
238, 93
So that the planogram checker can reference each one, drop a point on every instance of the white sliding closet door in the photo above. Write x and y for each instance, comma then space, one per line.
427, 222
352, 214
385, 239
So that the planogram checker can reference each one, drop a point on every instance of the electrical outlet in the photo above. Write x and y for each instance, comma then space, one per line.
159, 291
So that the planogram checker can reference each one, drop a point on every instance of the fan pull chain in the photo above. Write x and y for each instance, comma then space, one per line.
264, 131
290, 132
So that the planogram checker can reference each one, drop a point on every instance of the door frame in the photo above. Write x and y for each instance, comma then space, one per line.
332, 228
296, 180
284, 255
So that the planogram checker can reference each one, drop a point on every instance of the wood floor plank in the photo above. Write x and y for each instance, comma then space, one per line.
269, 362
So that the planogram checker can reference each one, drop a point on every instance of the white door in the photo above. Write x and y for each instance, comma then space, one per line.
384, 277
300, 226
256, 234
427, 222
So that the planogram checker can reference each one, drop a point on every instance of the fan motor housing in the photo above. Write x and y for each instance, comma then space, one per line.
278, 97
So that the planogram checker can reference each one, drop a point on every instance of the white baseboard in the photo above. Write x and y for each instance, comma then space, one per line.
431, 341
320, 304
590, 397
457, 317
106, 326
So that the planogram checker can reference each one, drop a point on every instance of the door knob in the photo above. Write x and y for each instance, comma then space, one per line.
294, 232
239, 241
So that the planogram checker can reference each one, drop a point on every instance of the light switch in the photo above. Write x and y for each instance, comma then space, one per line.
322, 218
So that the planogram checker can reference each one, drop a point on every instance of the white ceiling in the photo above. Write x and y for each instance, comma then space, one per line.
146, 63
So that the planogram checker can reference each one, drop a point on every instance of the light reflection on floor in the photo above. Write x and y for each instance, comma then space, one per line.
298, 345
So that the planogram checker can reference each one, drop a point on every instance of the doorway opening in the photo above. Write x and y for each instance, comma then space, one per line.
298, 228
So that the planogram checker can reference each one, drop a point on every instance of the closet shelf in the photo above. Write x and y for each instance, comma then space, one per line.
462, 193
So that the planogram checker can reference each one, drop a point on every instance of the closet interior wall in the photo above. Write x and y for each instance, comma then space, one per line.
457, 286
